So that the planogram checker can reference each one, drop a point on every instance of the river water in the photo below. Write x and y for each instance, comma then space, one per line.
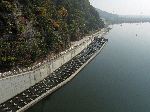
117, 80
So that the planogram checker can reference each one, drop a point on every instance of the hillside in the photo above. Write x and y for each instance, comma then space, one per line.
34, 29
116, 19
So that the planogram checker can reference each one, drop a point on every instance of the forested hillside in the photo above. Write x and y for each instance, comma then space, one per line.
30, 30
117, 19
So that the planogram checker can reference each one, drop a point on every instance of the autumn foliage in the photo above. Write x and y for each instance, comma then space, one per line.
31, 30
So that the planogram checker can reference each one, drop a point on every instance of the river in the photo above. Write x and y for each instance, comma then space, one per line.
117, 80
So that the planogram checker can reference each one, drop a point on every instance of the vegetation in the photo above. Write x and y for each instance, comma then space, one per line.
30, 30
117, 19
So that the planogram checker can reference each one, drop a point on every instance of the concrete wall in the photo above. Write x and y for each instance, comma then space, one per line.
13, 85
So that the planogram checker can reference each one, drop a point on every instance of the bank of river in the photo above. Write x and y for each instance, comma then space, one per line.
117, 80
57, 79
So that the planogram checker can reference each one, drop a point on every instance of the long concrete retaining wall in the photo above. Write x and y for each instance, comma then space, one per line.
13, 85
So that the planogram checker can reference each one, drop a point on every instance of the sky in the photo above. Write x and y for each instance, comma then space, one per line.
123, 7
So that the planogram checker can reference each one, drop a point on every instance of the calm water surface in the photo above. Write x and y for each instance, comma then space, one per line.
117, 80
